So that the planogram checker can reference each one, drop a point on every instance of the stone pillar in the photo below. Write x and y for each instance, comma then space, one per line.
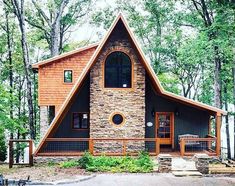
202, 163
44, 124
164, 163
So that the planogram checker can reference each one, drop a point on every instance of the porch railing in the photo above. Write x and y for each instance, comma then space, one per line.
190, 146
99, 146
17, 150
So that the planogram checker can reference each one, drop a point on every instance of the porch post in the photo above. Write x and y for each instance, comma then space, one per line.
218, 133
209, 126
209, 143
11, 158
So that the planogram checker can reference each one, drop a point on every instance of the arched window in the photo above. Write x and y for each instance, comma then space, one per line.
118, 71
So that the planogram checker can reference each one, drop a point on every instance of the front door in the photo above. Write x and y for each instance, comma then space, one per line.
165, 128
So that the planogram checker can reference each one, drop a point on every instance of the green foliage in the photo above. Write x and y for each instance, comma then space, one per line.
169, 82
69, 164
51, 163
142, 163
3, 148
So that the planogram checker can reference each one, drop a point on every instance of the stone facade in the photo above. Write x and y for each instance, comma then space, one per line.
44, 122
130, 102
46, 159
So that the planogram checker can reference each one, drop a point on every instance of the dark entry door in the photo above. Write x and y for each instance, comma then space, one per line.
165, 128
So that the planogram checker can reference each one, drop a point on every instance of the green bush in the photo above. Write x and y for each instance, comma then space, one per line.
51, 163
69, 164
142, 163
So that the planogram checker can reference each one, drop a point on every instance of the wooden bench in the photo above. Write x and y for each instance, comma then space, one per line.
189, 143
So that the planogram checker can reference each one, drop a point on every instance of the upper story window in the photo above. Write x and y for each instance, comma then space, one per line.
118, 71
68, 76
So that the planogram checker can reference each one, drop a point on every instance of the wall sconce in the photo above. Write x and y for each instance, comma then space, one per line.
177, 113
153, 112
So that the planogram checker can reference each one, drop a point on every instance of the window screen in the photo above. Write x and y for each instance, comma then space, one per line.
118, 71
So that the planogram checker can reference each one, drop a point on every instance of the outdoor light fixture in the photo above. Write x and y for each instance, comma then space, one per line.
177, 113
153, 112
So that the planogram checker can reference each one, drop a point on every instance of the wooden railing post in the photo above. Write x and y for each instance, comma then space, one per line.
218, 137
182, 147
91, 146
30, 152
11, 158
157, 144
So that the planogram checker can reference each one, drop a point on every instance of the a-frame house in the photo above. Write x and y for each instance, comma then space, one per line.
113, 103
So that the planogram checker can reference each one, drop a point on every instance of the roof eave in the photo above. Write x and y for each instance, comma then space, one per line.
61, 56
196, 103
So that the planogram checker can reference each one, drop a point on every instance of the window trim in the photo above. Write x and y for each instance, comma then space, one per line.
88, 124
64, 76
111, 119
132, 71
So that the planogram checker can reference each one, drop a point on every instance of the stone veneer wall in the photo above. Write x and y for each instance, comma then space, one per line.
44, 124
103, 102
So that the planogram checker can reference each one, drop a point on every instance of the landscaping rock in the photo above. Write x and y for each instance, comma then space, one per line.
165, 163
202, 163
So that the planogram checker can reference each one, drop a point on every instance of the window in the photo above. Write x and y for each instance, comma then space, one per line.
117, 119
68, 76
51, 115
80, 121
118, 71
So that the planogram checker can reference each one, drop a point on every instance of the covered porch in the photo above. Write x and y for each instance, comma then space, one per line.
131, 146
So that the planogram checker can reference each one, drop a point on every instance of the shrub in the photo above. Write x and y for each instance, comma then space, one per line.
51, 163
142, 163
69, 164
85, 160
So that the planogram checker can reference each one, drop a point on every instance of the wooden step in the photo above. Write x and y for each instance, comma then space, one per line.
220, 170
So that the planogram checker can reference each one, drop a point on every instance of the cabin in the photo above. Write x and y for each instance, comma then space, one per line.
106, 98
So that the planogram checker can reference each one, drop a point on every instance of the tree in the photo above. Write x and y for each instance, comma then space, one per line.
18, 9
56, 22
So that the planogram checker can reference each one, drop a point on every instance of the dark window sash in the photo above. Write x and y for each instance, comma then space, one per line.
78, 117
119, 72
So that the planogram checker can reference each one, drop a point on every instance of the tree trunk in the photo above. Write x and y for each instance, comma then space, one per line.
234, 99
55, 32
19, 12
10, 65
217, 79
227, 123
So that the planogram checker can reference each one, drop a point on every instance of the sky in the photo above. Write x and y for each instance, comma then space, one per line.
90, 32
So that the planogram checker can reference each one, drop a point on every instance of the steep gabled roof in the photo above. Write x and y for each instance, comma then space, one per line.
61, 56
64, 108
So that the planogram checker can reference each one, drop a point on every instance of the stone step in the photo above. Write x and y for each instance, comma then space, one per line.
186, 173
184, 169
